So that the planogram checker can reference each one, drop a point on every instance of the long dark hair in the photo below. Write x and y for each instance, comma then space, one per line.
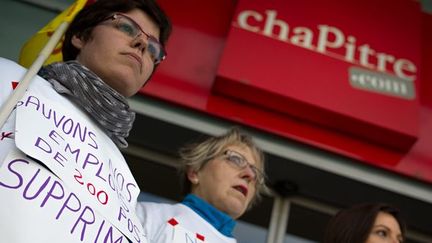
95, 13
354, 224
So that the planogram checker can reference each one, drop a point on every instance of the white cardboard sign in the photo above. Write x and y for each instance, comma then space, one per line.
52, 130
41, 208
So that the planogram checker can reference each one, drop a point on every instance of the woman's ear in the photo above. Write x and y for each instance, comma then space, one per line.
192, 176
77, 42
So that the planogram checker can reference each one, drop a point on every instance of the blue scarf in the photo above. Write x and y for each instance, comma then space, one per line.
221, 221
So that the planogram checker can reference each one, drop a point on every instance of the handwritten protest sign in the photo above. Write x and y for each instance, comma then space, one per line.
50, 129
44, 201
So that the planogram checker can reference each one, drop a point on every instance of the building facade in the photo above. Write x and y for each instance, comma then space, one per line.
337, 93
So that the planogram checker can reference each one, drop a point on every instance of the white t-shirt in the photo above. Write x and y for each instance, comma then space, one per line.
177, 223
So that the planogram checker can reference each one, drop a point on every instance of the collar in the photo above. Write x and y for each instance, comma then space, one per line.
221, 221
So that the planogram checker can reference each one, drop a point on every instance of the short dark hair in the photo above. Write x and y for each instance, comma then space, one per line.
354, 224
95, 13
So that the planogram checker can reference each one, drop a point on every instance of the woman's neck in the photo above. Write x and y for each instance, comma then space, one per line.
220, 220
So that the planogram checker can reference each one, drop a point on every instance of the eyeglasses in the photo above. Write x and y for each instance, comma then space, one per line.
240, 162
128, 26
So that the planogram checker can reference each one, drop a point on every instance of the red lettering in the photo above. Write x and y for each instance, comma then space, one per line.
77, 177
14, 84
91, 188
101, 195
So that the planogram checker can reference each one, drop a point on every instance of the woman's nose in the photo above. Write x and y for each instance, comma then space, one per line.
248, 173
395, 239
139, 43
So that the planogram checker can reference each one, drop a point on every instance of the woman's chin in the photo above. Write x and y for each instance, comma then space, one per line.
236, 209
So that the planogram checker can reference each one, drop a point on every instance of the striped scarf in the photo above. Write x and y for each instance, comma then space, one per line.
107, 106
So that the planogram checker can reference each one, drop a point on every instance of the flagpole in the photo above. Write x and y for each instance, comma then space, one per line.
19, 91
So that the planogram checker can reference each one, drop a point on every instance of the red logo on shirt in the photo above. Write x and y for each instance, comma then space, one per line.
173, 222
200, 237
14, 84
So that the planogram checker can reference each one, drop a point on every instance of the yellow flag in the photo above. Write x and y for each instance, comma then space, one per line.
34, 45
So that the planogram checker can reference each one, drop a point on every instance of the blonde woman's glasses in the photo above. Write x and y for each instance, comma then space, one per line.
236, 159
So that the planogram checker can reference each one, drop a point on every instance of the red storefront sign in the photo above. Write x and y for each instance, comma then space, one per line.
351, 66
201, 35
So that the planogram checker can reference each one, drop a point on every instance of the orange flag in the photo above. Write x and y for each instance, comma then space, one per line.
34, 45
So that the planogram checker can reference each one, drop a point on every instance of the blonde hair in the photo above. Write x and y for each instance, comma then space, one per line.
195, 156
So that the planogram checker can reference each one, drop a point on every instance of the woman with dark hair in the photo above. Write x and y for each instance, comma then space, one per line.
223, 177
366, 223
62, 175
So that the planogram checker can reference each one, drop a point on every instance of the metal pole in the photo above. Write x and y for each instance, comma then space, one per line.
283, 220
278, 220
274, 220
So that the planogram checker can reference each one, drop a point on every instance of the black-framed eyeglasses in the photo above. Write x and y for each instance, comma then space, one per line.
131, 28
236, 159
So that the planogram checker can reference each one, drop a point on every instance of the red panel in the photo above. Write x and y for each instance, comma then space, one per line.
263, 64
418, 162
186, 78
426, 74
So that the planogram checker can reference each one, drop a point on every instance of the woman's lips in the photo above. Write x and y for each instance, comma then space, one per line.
241, 188
136, 57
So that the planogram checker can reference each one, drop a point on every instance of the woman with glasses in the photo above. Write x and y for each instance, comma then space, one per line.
62, 176
223, 176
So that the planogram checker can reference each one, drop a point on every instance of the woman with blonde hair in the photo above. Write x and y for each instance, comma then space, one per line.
223, 176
